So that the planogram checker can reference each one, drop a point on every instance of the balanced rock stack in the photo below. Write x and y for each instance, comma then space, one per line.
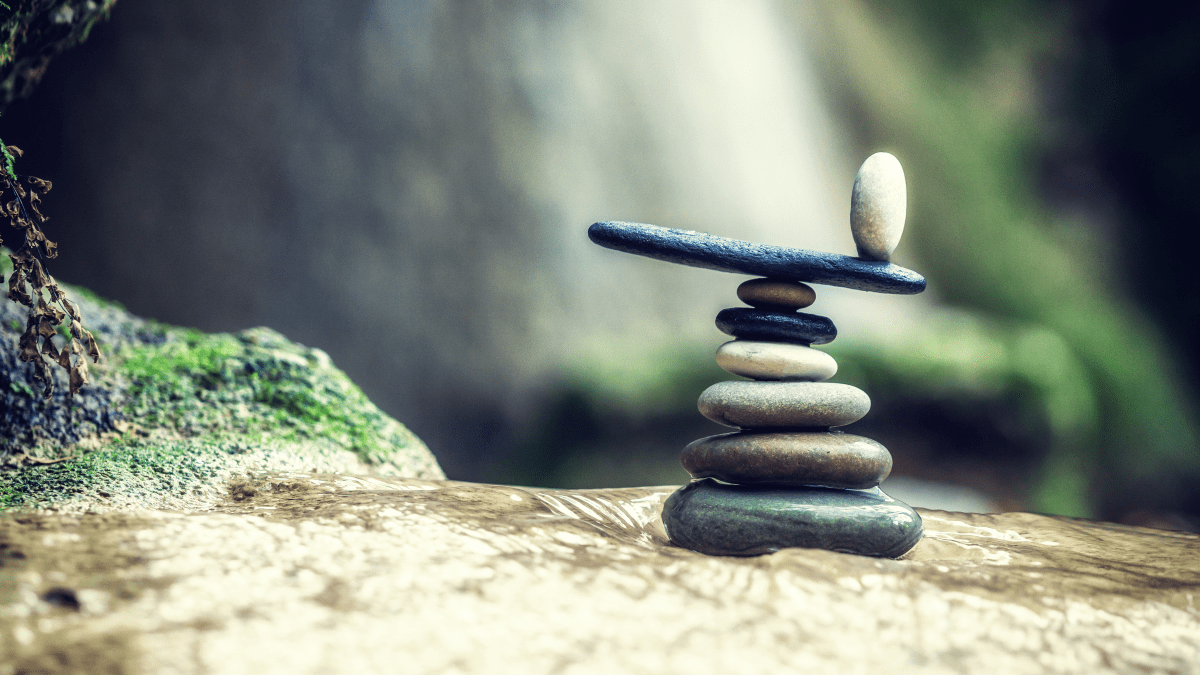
786, 477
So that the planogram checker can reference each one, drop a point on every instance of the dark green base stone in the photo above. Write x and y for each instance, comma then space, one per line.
721, 519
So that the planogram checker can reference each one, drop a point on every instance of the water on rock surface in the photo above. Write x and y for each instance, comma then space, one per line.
333, 574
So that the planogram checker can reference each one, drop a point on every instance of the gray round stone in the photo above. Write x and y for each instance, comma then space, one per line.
786, 405
719, 519
776, 294
775, 361
824, 458
878, 206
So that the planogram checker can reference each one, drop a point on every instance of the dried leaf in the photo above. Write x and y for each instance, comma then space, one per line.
47, 328
54, 314
79, 375
72, 308
16, 151
12, 208
28, 346
49, 349
19, 190
76, 329
76, 347
37, 214
41, 185
16, 288
64, 358
41, 371
93, 348
51, 249
39, 278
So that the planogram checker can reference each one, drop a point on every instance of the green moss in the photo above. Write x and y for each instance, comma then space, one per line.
208, 407
254, 382
173, 471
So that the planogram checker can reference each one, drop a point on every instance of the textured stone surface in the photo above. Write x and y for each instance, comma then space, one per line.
776, 294
719, 519
347, 575
752, 405
767, 325
775, 361
171, 413
830, 459
878, 206
697, 249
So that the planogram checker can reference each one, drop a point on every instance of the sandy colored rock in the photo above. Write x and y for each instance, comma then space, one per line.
824, 458
346, 575
776, 294
755, 405
775, 361
878, 207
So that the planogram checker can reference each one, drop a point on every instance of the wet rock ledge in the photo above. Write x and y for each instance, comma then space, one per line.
330, 573
234, 504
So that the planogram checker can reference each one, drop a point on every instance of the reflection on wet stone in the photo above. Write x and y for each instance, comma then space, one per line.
348, 574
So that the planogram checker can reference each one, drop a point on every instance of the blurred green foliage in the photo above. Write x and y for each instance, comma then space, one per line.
963, 113
1041, 328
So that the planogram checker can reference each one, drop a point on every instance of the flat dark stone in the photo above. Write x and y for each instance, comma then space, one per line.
721, 519
774, 326
697, 249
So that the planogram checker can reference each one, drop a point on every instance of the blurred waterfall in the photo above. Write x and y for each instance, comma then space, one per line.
407, 183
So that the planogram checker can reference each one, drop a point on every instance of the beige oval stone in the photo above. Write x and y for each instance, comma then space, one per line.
775, 361
759, 405
878, 206
825, 458
776, 294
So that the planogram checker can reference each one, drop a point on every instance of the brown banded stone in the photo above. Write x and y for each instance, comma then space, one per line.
783, 405
776, 294
824, 458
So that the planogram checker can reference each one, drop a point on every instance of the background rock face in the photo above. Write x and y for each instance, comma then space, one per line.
334, 574
407, 184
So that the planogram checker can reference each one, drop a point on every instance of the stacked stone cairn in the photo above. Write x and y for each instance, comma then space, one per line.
788, 477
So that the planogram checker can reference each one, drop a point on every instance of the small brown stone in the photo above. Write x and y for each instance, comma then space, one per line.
757, 405
776, 294
825, 458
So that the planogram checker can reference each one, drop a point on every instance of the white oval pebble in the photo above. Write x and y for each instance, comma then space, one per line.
878, 206
775, 361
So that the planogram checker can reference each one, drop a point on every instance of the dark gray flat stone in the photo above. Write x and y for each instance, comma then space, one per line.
720, 519
772, 326
697, 249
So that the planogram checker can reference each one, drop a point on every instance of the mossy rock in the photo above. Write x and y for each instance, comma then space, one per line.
32, 32
172, 415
